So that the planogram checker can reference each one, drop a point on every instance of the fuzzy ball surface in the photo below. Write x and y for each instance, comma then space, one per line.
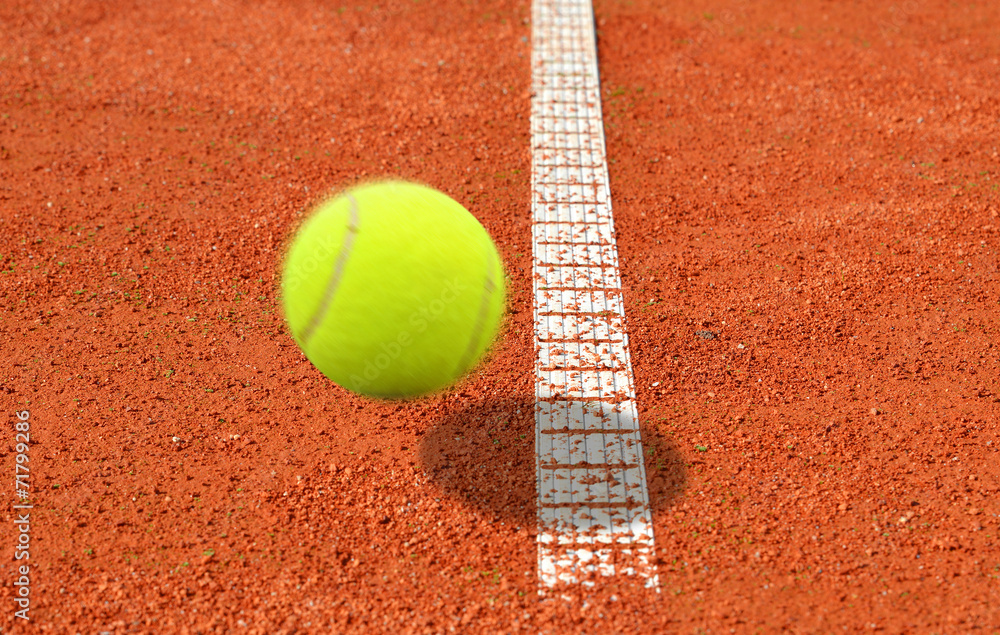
393, 290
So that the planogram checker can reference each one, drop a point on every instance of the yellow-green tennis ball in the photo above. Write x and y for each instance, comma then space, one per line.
393, 289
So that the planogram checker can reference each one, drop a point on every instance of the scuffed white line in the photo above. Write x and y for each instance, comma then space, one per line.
593, 504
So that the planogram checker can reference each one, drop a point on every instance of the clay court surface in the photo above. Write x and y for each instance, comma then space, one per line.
806, 197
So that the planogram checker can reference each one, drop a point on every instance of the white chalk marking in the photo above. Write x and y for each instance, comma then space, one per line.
593, 504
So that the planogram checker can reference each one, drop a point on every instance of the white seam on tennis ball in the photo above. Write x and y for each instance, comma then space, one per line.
593, 502
477, 329
338, 272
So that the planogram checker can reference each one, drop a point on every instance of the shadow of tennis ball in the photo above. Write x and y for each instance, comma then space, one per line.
666, 473
483, 454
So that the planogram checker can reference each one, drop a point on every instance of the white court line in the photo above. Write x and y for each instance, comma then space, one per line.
593, 504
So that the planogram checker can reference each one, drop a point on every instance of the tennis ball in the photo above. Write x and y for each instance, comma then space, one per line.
393, 289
